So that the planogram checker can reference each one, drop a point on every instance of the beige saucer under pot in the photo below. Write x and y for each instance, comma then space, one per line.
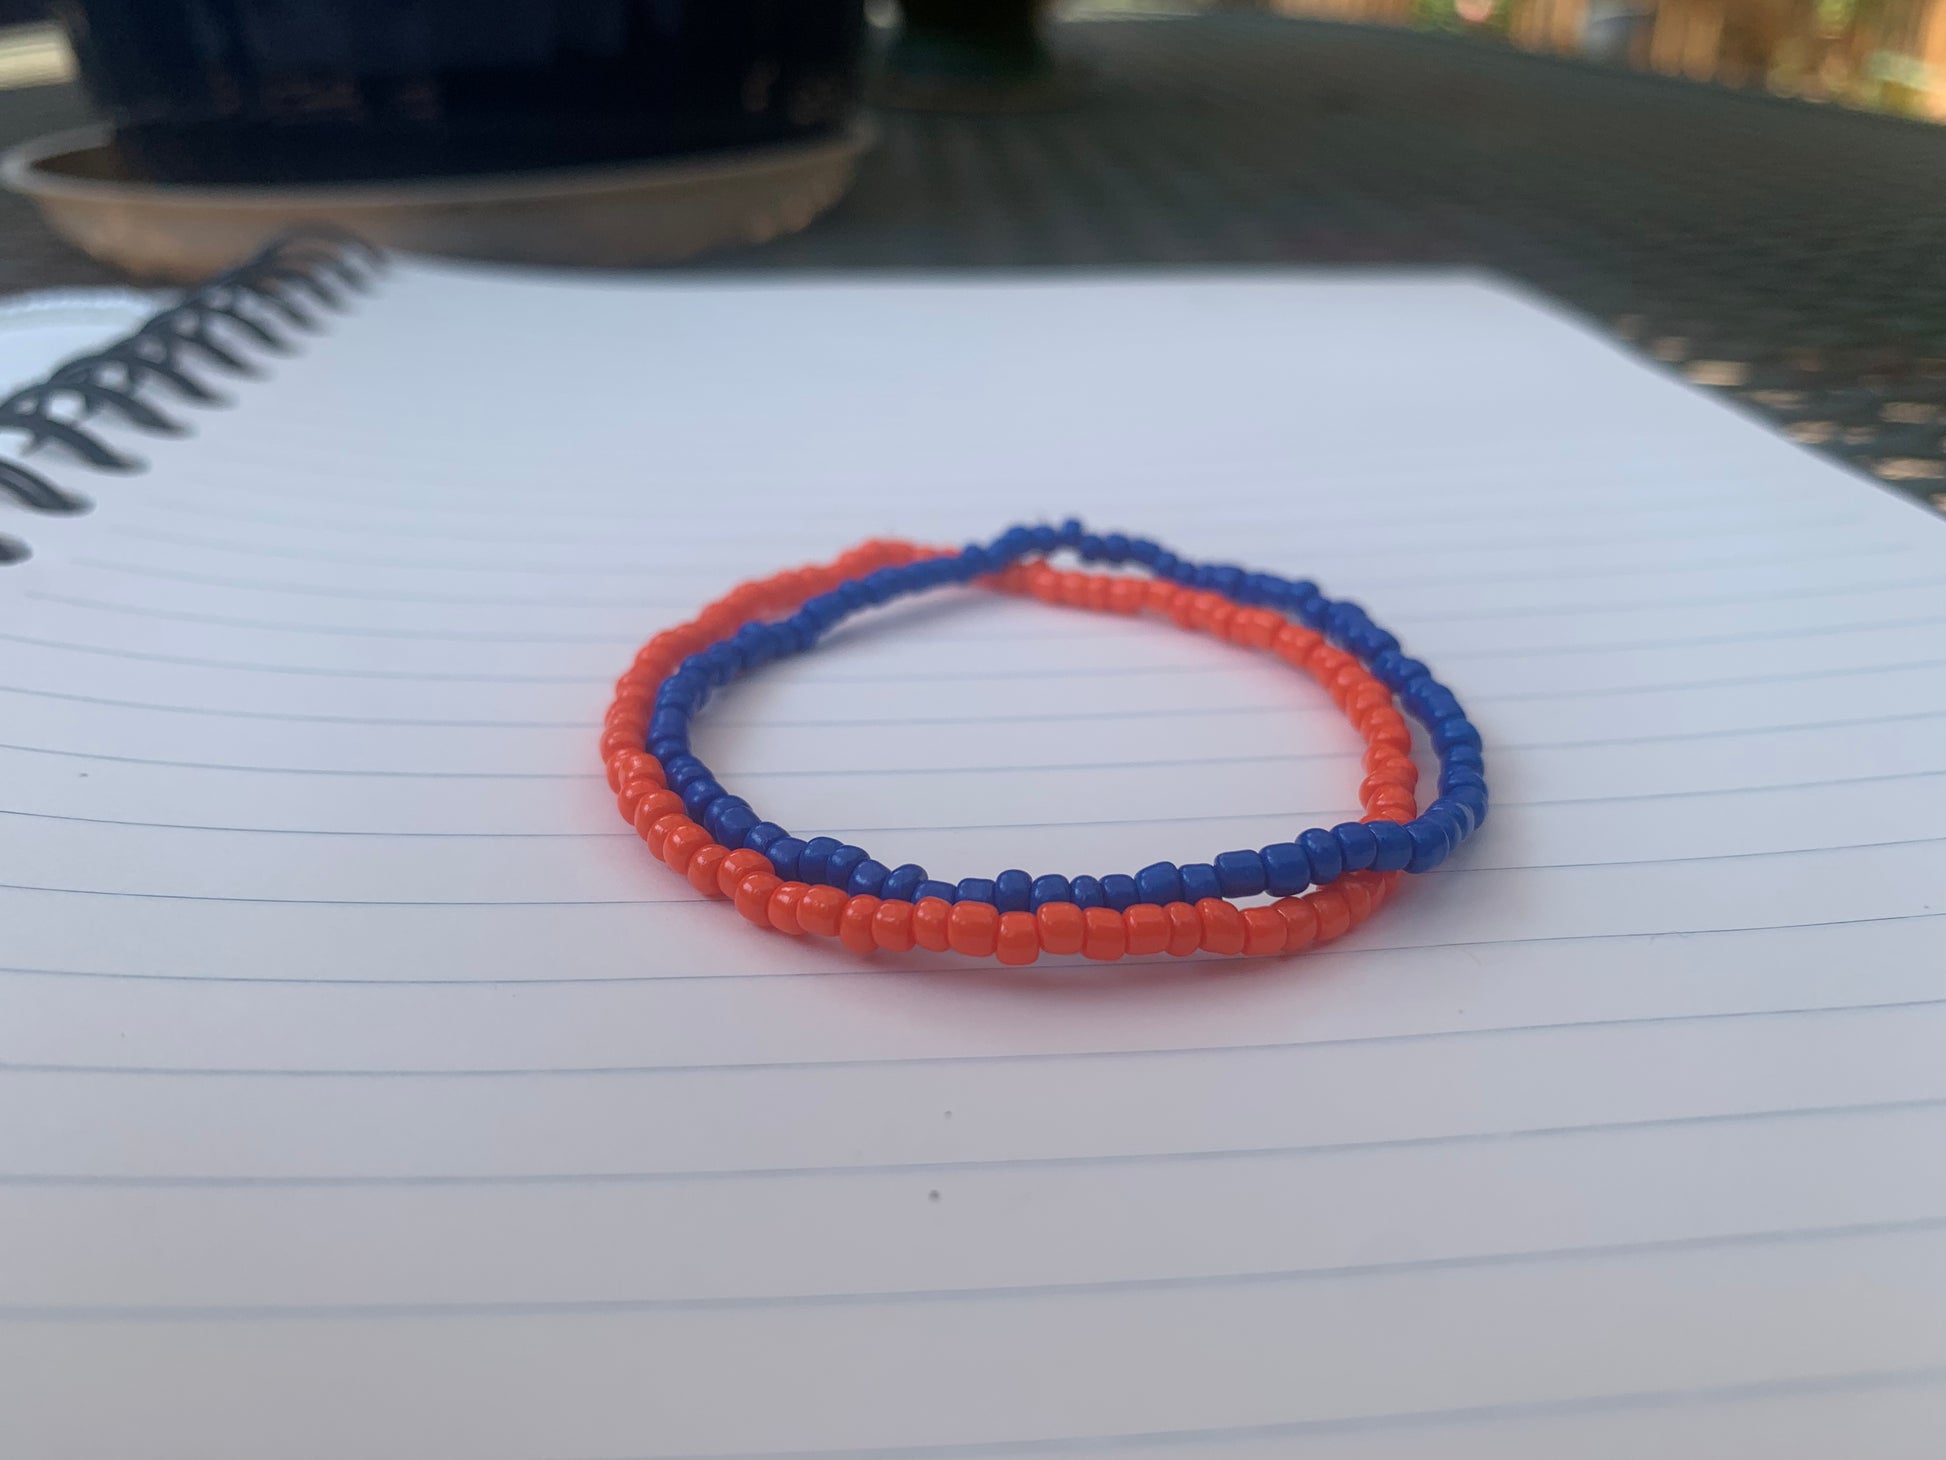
616, 215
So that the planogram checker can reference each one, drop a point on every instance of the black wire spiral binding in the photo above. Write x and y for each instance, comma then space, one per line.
265, 298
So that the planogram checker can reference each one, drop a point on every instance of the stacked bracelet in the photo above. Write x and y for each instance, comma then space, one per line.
691, 820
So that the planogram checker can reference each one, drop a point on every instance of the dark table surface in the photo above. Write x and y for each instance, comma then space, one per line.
1788, 254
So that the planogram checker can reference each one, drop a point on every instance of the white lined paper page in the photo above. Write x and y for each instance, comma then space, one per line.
371, 1091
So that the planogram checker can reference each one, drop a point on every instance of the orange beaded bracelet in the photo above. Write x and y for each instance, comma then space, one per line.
865, 923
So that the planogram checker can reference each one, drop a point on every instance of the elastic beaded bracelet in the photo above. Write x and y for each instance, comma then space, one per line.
866, 923
1214, 595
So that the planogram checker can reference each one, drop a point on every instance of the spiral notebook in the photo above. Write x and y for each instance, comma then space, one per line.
369, 1091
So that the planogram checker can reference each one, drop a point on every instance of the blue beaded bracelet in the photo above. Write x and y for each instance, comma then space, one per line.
1313, 858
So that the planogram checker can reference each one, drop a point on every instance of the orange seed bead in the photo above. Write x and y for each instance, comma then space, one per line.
973, 928
731, 871
782, 912
682, 844
892, 926
658, 833
1300, 922
1263, 931
701, 871
1368, 694
819, 910
929, 915
1185, 929
1260, 629
1357, 896
1148, 929
1018, 940
630, 796
1334, 915
652, 808
1105, 937
855, 924
1294, 644
1063, 929
753, 896
1379, 785
1222, 925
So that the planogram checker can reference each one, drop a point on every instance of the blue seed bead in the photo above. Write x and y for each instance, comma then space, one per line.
1394, 846
1264, 588
1016, 539
784, 854
1013, 890
1456, 813
1199, 881
867, 879
714, 811
667, 748
1050, 888
842, 863
763, 836
816, 857
1356, 844
1430, 844
1240, 874
682, 769
1468, 755
670, 723
1115, 547
1225, 578
1474, 799
974, 889
1086, 892
1440, 707
1287, 870
1437, 698
903, 882
735, 823
1071, 531
1454, 731
933, 887
698, 794
1118, 891
1322, 848
1159, 882
705, 815
1395, 671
